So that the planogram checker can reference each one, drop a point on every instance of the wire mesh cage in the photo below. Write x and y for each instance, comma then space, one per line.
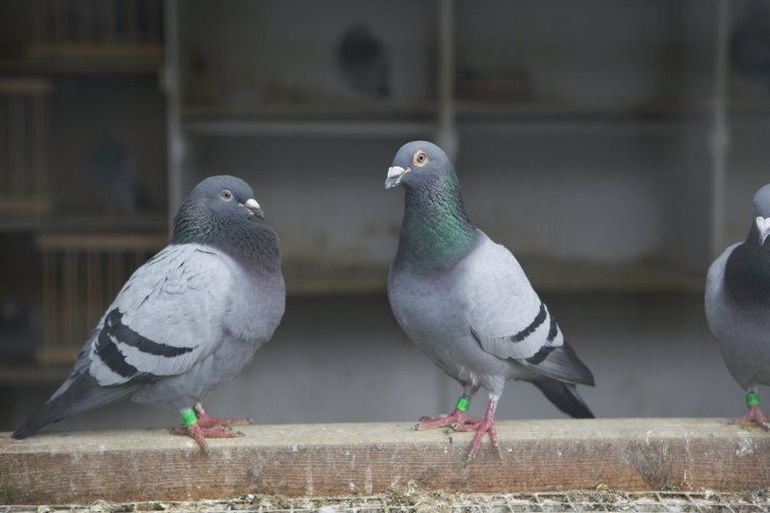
426, 502
23, 146
94, 35
81, 275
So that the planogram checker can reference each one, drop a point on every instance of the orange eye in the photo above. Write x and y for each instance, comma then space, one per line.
420, 158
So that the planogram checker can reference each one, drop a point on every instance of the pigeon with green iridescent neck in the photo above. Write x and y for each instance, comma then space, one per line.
738, 308
465, 301
189, 319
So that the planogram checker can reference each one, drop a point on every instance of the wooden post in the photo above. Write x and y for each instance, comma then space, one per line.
340, 459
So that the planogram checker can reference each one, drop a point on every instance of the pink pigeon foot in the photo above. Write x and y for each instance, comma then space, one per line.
482, 427
207, 421
754, 416
200, 434
456, 418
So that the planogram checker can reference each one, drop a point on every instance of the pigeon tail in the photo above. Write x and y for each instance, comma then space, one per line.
562, 364
565, 397
78, 394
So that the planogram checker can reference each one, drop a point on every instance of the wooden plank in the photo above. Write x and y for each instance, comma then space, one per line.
102, 242
339, 459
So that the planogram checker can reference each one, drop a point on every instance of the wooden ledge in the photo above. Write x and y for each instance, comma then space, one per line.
336, 459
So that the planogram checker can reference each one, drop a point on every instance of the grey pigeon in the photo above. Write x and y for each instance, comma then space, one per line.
738, 307
363, 63
113, 175
189, 319
750, 43
465, 301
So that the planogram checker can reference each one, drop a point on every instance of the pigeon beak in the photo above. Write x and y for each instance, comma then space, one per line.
254, 209
395, 174
763, 225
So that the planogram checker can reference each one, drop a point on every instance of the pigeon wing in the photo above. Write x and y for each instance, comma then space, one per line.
509, 321
167, 317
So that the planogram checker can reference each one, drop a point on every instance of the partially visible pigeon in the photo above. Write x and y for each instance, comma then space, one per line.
465, 301
20, 330
113, 175
189, 319
750, 43
738, 308
363, 62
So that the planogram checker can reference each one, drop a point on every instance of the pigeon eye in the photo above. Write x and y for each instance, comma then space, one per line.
226, 195
420, 158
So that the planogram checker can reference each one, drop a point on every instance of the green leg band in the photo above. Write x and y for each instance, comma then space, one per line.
463, 404
752, 399
189, 417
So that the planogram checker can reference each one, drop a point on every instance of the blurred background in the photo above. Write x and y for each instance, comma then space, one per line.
613, 145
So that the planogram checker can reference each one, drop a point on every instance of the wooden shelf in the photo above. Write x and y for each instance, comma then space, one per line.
320, 111
90, 58
474, 118
24, 207
101, 242
546, 274
351, 128
35, 220
340, 459
578, 275
25, 374
344, 119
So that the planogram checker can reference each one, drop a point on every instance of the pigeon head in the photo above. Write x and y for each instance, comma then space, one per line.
760, 229
418, 164
221, 212
435, 230
227, 197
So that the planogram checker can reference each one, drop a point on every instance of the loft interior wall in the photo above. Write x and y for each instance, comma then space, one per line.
284, 51
88, 109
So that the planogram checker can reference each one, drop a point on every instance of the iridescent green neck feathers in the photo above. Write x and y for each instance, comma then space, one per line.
436, 232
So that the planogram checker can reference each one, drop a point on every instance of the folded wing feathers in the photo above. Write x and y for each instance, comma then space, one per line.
529, 342
165, 319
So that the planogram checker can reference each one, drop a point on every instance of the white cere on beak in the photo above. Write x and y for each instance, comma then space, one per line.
252, 204
763, 225
395, 174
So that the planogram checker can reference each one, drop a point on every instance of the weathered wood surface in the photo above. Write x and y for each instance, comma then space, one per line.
333, 459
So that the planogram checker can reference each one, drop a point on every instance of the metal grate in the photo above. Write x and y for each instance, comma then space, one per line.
412, 501
23, 121
81, 275
99, 21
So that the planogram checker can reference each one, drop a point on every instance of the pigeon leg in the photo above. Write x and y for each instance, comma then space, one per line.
754, 415
486, 425
207, 421
458, 417
199, 433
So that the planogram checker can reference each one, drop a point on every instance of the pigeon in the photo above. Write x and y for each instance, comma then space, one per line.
189, 319
363, 62
750, 44
112, 173
20, 329
737, 307
465, 301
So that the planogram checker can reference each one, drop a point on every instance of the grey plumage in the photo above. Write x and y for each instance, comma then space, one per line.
190, 318
738, 300
465, 300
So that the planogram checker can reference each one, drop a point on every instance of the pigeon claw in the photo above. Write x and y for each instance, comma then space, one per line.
754, 417
454, 420
200, 434
484, 426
